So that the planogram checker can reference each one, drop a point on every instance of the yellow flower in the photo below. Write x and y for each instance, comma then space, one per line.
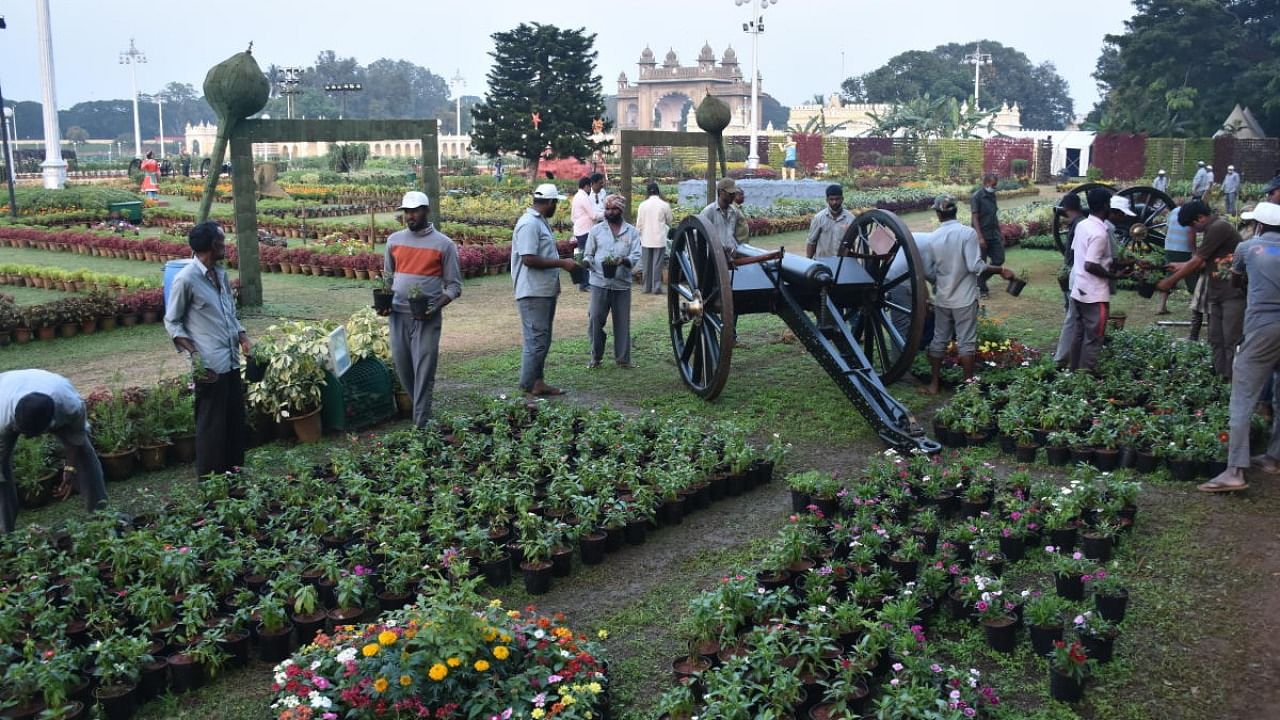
495, 603
537, 713
380, 685
438, 672
561, 632
501, 652
603, 634
454, 662
504, 638
482, 665
595, 688
371, 649
513, 613
405, 681
567, 699
386, 637
490, 634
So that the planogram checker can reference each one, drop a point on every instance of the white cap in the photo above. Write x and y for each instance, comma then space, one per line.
1161, 173
1231, 167
1265, 213
1200, 163
1208, 167
415, 199
1121, 203
547, 191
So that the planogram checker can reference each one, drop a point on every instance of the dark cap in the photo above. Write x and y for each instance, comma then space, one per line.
1271, 186
944, 203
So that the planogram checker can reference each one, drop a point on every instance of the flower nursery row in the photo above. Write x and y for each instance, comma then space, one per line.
844, 617
1152, 400
83, 314
274, 554
80, 280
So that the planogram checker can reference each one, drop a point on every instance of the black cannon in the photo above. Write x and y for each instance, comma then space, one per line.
1150, 206
861, 315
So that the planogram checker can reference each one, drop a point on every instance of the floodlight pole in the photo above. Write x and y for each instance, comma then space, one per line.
132, 57
977, 59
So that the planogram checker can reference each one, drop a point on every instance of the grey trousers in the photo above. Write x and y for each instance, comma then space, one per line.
651, 264
1254, 363
80, 455
1087, 333
961, 322
1226, 325
1062, 355
1231, 202
537, 314
604, 303
415, 350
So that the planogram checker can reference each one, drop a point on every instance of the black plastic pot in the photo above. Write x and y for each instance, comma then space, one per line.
1112, 607
592, 547
635, 531
1015, 286
420, 307
537, 577
1043, 637
274, 647
382, 300
1064, 688
498, 572
254, 371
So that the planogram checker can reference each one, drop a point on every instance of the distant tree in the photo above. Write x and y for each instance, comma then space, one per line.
929, 117
773, 112
543, 92
76, 135
1041, 93
1182, 65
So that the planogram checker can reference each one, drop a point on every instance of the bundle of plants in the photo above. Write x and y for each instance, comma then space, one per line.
452, 654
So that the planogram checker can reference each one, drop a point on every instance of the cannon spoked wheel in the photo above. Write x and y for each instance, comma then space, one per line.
890, 321
1151, 206
1060, 223
700, 308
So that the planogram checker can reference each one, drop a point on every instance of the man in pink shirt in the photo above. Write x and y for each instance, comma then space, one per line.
585, 212
1090, 286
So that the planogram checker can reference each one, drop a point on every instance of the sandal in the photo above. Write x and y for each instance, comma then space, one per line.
1216, 486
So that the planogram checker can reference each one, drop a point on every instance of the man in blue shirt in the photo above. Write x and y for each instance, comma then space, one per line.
200, 316
1179, 243
535, 266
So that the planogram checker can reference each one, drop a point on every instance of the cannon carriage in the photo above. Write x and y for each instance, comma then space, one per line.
861, 314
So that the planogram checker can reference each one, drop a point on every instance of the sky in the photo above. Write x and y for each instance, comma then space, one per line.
806, 46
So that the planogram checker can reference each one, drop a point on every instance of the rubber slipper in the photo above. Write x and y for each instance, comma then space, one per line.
1217, 487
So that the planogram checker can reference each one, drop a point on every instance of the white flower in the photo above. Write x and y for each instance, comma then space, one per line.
319, 701
347, 655
290, 701
539, 634
281, 678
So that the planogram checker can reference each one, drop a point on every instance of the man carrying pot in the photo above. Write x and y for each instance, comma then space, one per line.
955, 264
613, 242
35, 402
422, 262
200, 316
535, 272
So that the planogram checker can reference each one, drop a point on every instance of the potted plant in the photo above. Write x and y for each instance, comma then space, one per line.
536, 544
382, 295
274, 630
420, 306
1110, 596
112, 424
1017, 283
294, 383
1043, 615
1068, 668
117, 663
1069, 569
1097, 634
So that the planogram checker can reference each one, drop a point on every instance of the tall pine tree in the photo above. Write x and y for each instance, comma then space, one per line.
543, 91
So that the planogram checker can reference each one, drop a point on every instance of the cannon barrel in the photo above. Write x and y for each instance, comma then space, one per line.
796, 269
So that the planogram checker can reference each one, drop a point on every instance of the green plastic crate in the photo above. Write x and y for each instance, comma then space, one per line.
130, 210
362, 397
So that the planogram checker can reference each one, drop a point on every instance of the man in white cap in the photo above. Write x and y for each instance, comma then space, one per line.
1224, 303
1161, 182
1231, 188
422, 262
1200, 182
1259, 352
535, 272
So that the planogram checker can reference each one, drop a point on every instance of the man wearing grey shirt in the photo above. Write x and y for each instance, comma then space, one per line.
613, 242
827, 229
1231, 188
535, 266
35, 402
721, 217
200, 316
955, 262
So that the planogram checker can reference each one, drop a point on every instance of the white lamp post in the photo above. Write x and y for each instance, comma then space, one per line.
132, 57
456, 83
977, 59
755, 26
159, 98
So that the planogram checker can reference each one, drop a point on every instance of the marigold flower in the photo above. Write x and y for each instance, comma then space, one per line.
405, 681
501, 652
537, 713
386, 637
482, 665
370, 650
603, 634
380, 685
453, 662
438, 672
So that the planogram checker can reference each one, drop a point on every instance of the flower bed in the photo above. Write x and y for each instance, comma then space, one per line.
1153, 399
287, 544
845, 613
450, 655
71, 316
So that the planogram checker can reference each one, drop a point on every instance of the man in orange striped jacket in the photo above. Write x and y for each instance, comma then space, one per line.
422, 262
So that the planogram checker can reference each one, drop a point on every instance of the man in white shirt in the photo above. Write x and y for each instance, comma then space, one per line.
1090, 281
827, 229
1200, 182
585, 212
653, 220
